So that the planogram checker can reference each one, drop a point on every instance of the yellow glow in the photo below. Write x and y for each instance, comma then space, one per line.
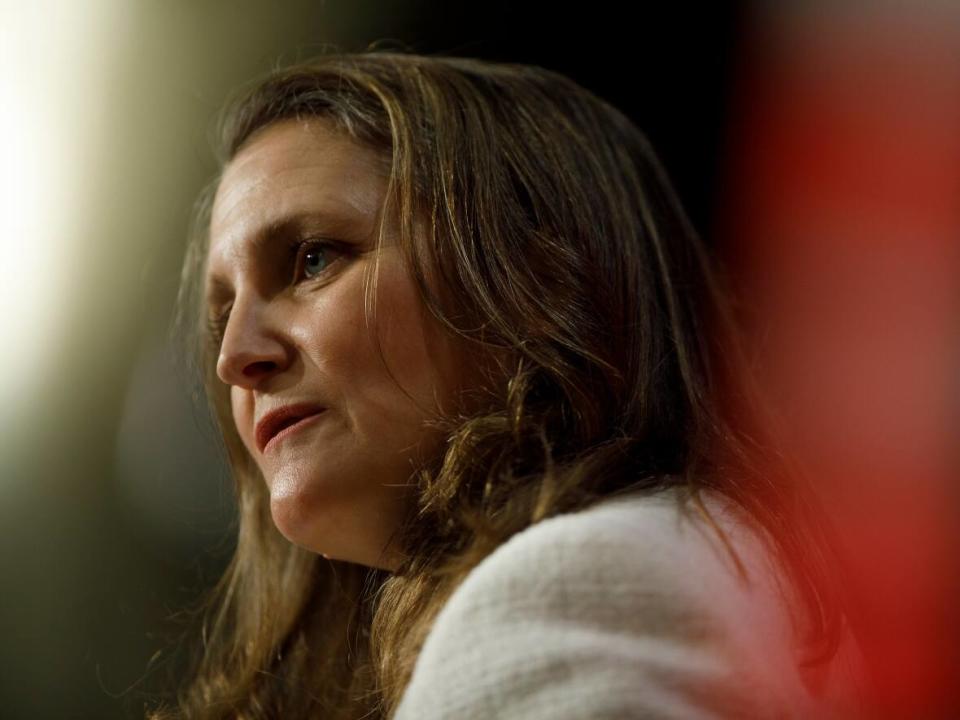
50, 56
25, 243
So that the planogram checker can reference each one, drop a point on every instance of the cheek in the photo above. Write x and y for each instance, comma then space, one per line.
419, 351
336, 335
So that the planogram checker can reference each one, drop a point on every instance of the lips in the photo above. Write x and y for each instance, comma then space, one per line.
275, 421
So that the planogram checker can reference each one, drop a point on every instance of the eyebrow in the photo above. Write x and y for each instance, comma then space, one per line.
336, 225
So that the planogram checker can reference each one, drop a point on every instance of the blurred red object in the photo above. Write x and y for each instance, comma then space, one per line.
841, 219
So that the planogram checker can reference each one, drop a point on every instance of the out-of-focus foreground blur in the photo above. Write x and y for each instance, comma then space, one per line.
816, 144
843, 221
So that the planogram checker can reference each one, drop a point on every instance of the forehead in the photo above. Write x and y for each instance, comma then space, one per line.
293, 168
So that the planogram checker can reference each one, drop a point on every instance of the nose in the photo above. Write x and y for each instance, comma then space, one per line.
252, 348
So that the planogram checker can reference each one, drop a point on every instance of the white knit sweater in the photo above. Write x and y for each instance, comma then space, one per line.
629, 609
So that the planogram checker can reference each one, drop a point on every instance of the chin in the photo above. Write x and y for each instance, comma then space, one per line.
296, 512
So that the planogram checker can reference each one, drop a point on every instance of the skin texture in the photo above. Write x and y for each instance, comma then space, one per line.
339, 485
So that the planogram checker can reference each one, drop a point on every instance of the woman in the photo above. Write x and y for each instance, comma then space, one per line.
477, 386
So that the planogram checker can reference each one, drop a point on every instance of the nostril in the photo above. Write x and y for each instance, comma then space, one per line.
259, 368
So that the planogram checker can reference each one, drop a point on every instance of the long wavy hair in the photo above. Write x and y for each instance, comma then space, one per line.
540, 228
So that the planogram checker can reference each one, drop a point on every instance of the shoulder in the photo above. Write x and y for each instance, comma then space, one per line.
641, 553
632, 606
622, 541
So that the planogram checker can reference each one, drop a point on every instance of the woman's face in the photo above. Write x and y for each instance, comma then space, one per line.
293, 229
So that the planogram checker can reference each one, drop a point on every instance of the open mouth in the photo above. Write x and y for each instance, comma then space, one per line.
282, 422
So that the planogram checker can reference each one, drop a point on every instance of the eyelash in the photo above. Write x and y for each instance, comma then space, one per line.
216, 326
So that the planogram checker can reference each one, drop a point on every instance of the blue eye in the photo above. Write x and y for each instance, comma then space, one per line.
313, 259
314, 262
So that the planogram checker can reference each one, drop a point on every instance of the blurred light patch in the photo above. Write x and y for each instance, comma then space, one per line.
51, 89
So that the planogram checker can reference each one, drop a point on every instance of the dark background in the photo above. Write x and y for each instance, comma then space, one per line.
669, 66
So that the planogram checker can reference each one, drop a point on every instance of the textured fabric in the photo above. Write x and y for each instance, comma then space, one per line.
629, 609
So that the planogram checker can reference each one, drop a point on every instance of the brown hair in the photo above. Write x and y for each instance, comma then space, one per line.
539, 226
